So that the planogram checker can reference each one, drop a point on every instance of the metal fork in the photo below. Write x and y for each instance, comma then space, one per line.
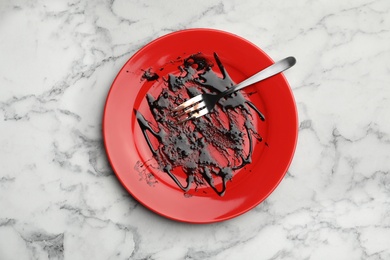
203, 104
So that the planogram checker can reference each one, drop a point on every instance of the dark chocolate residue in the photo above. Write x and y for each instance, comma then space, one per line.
208, 147
149, 75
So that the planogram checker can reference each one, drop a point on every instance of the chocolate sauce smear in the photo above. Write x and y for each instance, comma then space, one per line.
207, 148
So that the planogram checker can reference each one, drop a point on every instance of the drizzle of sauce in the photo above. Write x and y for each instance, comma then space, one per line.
210, 147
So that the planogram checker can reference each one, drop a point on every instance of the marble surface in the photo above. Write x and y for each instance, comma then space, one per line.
59, 198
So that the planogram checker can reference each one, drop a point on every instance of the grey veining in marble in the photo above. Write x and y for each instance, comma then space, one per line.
59, 198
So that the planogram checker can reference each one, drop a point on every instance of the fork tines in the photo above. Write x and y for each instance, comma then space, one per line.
188, 103
193, 108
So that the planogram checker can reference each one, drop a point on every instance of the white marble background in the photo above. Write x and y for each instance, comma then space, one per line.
59, 198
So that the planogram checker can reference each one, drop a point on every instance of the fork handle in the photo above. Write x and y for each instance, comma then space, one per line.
270, 71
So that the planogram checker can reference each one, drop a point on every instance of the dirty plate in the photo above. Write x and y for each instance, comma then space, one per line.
131, 157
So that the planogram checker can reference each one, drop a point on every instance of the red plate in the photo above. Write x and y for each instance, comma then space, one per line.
132, 160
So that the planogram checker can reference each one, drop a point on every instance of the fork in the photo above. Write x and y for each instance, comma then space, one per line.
203, 104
